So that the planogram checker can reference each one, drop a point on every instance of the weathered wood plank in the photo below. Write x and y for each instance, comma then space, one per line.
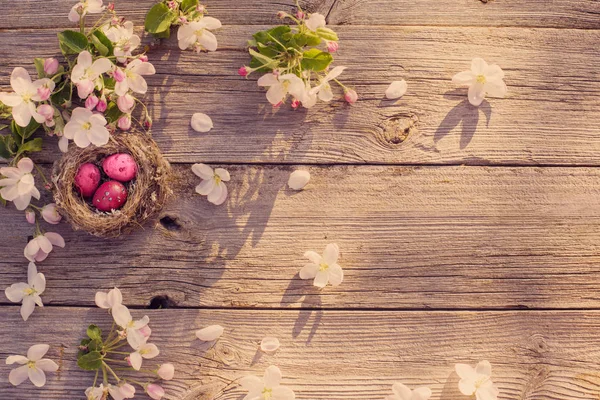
53, 13
531, 13
551, 116
333, 355
440, 237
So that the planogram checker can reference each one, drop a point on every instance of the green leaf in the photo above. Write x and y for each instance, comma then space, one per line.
90, 361
159, 18
59, 98
4, 152
39, 67
112, 113
162, 35
31, 146
3, 126
187, 5
94, 332
2, 201
72, 42
316, 60
264, 60
327, 34
306, 39
24, 132
82, 352
274, 35
102, 43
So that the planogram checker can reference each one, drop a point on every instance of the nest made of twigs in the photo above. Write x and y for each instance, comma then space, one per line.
147, 192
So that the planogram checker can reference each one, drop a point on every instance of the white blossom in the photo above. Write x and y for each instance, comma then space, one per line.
477, 381
268, 387
133, 77
166, 371
315, 21
87, 128
33, 366
125, 41
85, 7
197, 33
324, 269
86, 73
298, 179
396, 89
212, 184
201, 122
25, 94
122, 317
210, 333
28, 293
109, 300
482, 80
121, 391
96, 393
18, 185
144, 350
403, 392
40, 246
280, 85
323, 89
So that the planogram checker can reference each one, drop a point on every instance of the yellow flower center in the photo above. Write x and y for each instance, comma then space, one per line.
479, 382
267, 393
87, 126
30, 291
199, 32
217, 179
31, 364
480, 79
323, 267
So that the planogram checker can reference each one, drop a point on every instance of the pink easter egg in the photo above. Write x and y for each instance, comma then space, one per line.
110, 195
87, 179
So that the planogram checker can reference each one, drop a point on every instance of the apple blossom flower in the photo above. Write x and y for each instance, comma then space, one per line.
30, 216
125, 41
24, 96
324, 269
109, 300
122, 317
269, 344
201, 122
47, 111
280, 85
350, 96
198, 33
86, 73
477, 381
91, 102
155, 391
210, 333
332, 46
50, 66
85, 7
144, 350
124, 122
315, 21
40, 246
166, 371
33, 366
403, 392
482, 80
133, 79
212, 184
28, 294
396, 89
18, 184
125, 103
323, 89
267, 388
121, 391
298, 179
50, 214
87, 128
96, 393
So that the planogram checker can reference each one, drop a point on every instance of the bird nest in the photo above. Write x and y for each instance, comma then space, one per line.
147, 192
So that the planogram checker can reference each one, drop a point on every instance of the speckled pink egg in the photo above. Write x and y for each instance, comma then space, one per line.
110, 195
120, 167
87, 179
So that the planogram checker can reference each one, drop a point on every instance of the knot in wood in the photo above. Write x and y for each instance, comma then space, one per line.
395, 130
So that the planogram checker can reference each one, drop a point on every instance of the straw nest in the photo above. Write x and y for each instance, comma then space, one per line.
147, 192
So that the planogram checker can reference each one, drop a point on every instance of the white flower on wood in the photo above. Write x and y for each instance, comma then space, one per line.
33, 366
28, 294
477, 381
18, 184
323, 269
268, 387
212, 184
403, 392
482, 80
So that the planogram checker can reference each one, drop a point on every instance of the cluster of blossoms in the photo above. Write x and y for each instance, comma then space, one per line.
105, 354
194, 26
293, 63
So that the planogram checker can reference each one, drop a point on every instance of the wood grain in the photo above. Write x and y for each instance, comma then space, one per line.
439, 237
551, 115
535, 355
532, 13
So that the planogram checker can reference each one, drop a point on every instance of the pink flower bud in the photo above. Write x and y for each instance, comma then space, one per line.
50, 66
300, 14
155, 391
110, 7
281, 14
126, 103
47, 186
119, 75
244, 71
46, 111
91, 102
128, 359
295, 103
30, 216
351, 96
172, 4
124, 122
166, 371
200, 8
44, 93
50, 214
332, 47
101, 104
148, 123
183, 20
144, 58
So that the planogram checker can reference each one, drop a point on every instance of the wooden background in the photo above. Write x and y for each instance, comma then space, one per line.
466, 234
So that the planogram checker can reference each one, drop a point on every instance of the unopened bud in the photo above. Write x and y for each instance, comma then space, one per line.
332, 47
50, 66
351, 96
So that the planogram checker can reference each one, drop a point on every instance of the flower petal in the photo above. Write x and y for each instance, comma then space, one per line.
331, 254
283, 393
267, 80
336, 274
137, 83
16, 359
201, 122
321, 279
269, 344
16, 292
206, 187
251, 383
221, 198
465, 371
314, 257
298, 179
203, 171
421, 393
223, 174
46, 365
210, 23
309, 271
121, 315
208, 40
396, 89
18, 375
216, 193
210, 333
496, 88
476, 93
37, 351
463, 78
478, 66
467, 387
136, 360
272, 376
37, 377
484, 368
487, 393
275, 94
55, 239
